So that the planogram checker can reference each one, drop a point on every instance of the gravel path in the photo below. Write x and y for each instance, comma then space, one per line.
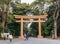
31, 41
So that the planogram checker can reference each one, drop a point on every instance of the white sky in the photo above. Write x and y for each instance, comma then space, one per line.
27, 1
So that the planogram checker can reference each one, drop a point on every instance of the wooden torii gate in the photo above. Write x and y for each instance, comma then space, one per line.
39, 19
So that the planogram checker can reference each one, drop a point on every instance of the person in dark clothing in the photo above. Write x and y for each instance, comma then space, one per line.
7, 36
4, 38
26, 36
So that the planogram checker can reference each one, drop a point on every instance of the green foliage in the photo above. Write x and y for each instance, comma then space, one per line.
1, 1
7, 1
23, 5
47, 26
35, 11
39, 5
11, 18
0, 27
21, 9
14, 28
48, 0
34, 29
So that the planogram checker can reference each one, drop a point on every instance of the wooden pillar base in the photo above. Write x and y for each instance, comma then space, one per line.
21, 37
39, 36
55, 37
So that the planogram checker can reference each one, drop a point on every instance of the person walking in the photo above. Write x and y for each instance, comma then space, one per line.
26, 36
10, 37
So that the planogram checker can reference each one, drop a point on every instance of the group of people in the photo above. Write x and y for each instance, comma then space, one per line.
10, 37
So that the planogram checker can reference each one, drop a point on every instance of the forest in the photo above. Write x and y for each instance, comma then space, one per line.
8, 23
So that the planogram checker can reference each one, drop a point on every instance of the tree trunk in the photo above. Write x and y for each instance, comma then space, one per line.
3, 21
55, 28
3, 17
7, 13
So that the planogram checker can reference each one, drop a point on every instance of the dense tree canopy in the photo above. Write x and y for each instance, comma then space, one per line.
37, 8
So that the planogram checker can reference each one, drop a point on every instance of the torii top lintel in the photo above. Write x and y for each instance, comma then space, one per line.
20, 16
31, 18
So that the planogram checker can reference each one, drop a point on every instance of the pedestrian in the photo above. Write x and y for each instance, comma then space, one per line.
52, 34
4, 38
26, 36
7, 36
10, 37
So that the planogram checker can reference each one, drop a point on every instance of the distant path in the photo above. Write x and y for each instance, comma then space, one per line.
31, 41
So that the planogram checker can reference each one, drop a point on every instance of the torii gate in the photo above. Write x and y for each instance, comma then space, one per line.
39, 19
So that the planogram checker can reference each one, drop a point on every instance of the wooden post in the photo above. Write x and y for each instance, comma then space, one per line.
21, 31
39, 29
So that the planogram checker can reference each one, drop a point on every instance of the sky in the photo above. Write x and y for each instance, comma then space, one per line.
27, 1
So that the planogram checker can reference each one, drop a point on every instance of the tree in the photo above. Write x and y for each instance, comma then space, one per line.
2, 12
56, 14
4, 5
21, 9
38, 4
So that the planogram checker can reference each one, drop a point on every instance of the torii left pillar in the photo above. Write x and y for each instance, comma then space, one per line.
39, 29
21, 31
